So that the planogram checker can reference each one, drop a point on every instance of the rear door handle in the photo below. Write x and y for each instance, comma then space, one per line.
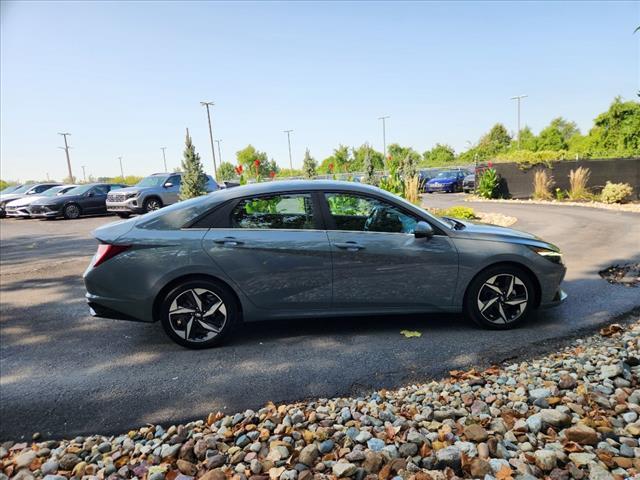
228, 242
350, 246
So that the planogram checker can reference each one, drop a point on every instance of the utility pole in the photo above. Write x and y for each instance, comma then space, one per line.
121, 171
213, 151
219, 154
288, 132
384, 134
66, 150
84, 175
164, 158
518, 98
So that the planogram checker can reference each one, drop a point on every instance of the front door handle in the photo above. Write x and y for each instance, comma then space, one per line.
228, 242
349, 246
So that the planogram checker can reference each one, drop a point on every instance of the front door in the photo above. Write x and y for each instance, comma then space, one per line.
171, 190
95, 200
274, 250
377, 261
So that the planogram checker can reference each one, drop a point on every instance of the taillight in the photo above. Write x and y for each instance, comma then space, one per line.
107, 251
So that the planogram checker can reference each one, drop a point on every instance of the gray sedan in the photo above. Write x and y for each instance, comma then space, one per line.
311, 249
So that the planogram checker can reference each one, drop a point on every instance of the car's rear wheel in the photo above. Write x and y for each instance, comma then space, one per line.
198, 313
152, 204
500, 297
71, 211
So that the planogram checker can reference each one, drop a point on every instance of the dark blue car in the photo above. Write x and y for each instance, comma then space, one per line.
446, 181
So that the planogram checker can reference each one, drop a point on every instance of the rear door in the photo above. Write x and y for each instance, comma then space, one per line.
378, 262
275, 250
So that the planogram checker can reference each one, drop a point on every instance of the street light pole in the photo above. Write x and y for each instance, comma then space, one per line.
219, 154
384, 134
213, 151
164, 158
518, 98
288, 132
121, 171
66, 150
84, 175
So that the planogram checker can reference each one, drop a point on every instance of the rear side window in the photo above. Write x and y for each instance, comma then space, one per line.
293, 212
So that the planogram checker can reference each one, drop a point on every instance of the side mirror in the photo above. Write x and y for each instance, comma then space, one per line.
423, 230
168, 184
90, 194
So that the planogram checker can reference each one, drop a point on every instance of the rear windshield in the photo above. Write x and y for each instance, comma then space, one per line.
179, 214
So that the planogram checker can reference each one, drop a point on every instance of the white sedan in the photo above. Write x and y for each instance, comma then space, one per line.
20, 207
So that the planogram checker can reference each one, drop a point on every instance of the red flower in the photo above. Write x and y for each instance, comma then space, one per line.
272, 174
490, 164
239, 169
256, 162
331, 167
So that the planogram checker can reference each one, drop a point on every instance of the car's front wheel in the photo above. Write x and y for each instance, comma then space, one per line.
152, 204
71, 211
500, 297
198, 313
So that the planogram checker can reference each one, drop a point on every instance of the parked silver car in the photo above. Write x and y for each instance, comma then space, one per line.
23, 191
20, 208
149, 194
309, 249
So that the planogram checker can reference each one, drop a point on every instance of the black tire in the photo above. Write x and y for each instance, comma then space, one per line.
123, 215
502, 310
196, 337
152, 204
71, 211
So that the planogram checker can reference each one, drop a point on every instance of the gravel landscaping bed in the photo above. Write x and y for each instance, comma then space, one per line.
620, 207
571, 414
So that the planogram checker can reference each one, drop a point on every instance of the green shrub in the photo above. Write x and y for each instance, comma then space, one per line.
616, 192
458, 211
578, 180
488, 184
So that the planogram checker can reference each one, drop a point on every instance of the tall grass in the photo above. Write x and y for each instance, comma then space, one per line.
412, 189
542, 183
578, 180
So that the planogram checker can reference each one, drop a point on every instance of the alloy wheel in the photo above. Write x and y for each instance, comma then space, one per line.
72, 211
502, 298
197, 315
152, 205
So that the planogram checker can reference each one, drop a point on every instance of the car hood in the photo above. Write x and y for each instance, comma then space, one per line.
10, 196
131, 190
483, 231
56, 200
26, 200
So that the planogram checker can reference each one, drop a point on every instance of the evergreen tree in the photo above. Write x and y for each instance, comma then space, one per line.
369, 169
193, 178
309, 165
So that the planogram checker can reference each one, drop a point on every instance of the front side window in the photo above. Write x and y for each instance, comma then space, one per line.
365, 214
294, 212
101, 190
174, 180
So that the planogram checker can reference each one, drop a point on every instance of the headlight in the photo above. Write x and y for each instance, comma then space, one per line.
131, 195
551, 255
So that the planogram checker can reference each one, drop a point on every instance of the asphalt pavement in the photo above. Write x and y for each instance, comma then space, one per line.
63, 373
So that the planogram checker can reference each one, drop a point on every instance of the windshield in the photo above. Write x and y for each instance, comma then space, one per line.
9, 189
446, 174
53, 191
80, 190
21, 189
154, 181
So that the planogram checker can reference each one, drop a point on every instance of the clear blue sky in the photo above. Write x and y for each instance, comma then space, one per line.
126, 78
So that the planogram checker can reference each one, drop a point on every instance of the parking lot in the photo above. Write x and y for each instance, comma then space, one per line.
64, 373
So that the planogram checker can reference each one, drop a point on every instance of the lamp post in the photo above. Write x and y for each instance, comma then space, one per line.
518, 98
213, 151
288, 132
384, 133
